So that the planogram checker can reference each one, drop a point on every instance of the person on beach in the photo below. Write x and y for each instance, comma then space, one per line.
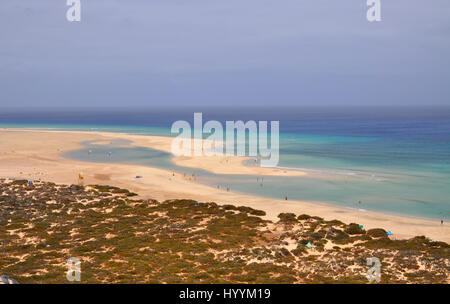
442, 222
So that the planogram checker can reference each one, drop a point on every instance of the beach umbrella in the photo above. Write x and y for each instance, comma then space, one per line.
361, 226
197, 203
309, 245
389, 233
30, 182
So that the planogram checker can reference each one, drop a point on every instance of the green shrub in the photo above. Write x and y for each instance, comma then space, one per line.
377, 233
287, 217
354, 229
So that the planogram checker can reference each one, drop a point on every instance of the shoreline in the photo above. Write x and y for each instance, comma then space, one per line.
23, 152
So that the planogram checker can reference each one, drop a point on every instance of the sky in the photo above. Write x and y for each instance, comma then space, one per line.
227, 52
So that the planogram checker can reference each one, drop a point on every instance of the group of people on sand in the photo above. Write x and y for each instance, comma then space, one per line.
258, 180
192, 177
227, 188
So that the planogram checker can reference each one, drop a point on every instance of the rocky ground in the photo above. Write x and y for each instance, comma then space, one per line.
120, 238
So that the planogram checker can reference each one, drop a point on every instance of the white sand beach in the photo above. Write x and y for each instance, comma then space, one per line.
36, 154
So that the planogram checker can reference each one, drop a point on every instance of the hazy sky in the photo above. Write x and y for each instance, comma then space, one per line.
211, 52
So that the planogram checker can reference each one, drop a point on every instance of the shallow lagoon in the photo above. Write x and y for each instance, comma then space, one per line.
394, 191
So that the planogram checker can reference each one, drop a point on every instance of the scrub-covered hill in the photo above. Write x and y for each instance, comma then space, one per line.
120, 238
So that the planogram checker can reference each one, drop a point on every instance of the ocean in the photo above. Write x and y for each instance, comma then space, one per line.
394, 160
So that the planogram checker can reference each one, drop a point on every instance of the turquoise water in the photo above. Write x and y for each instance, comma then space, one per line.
391, 191
393, 161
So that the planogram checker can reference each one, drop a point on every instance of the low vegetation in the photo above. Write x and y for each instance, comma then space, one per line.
120, 239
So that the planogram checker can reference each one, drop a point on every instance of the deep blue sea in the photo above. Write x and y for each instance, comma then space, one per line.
391, 159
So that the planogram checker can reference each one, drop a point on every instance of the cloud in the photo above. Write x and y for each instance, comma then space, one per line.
185, 52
